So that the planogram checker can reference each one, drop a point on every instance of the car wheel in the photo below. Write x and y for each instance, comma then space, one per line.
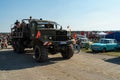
115, 49
104, 50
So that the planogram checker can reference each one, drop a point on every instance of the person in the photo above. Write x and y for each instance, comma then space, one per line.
17, 24
30, 19
5, 42
68, 30
23, 24
74, 40
0, 40
74, 35
78, 41
74, 43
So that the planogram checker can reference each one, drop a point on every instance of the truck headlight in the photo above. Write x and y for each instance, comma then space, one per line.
50, 38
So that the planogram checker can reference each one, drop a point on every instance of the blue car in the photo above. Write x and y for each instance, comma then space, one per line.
104, 45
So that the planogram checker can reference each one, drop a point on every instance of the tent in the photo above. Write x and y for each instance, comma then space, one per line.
101, 34
114, 35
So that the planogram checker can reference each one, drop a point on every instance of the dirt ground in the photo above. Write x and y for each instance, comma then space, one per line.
82, 66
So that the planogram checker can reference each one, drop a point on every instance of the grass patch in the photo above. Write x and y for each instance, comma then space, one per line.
86, 50
109, 53
117, 54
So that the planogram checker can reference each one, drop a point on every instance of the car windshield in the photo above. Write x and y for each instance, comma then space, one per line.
84, 39
104, 41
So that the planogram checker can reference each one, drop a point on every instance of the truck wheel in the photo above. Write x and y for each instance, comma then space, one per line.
93, 51
68, 52
40, 54
19, 47
14, 46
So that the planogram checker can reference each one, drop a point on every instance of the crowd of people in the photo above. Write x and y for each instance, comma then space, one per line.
18, 26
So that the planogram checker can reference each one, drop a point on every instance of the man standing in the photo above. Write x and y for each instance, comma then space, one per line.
68, 30
30, 19
78, 44
5, 42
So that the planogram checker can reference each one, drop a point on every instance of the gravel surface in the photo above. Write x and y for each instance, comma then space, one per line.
82, 66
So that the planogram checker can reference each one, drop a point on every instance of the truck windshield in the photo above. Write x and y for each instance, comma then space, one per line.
48, 25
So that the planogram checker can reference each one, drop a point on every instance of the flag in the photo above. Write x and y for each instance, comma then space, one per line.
38, 34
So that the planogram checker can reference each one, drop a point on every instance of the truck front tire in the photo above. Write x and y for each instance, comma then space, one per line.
68, 52
40, 53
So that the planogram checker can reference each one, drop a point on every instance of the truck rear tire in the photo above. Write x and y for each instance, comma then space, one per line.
40, 54
19, 47
14, 46
68, 52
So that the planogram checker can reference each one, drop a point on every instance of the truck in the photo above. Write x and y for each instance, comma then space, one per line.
44, 37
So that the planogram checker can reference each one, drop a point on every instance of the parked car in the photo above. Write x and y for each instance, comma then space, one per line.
79, 36
84, 42
104, 45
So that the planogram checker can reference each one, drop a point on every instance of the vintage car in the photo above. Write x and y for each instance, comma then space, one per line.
104, 45
84, 42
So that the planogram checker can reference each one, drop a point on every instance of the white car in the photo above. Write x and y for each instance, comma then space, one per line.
84, 41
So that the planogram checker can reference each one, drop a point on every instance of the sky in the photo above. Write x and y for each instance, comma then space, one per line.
80, 15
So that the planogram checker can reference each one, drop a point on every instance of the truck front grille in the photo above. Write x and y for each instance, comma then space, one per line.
59, 38
61, 33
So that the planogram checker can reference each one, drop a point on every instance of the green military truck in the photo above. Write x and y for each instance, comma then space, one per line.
44, 37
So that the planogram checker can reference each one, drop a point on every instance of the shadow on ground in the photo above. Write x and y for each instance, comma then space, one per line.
13, 61
114, 60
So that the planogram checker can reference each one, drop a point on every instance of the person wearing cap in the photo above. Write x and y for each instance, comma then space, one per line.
17, 24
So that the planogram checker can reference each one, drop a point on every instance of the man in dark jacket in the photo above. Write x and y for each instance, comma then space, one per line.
78, 44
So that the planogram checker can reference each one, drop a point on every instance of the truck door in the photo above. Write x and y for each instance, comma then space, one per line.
33, 30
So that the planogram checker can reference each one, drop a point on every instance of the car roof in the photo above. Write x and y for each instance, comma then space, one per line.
106, 39
84, 38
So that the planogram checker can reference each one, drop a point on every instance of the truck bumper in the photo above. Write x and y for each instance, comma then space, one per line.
57, 43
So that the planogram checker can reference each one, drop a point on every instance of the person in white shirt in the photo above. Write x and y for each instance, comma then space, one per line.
68, 30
